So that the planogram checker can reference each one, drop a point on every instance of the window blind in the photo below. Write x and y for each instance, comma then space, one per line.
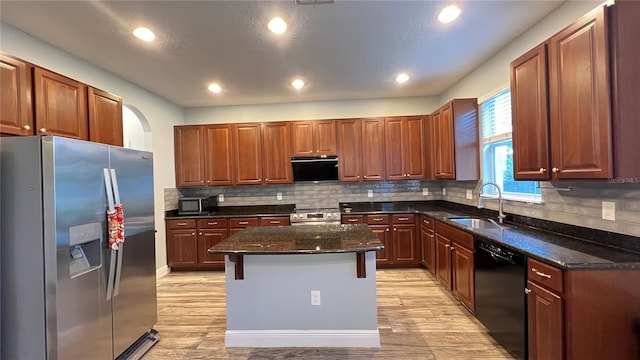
496, 116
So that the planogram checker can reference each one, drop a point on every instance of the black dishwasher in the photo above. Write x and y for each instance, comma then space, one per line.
501, 304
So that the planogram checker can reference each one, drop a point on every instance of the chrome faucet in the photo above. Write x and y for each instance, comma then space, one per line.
501, 214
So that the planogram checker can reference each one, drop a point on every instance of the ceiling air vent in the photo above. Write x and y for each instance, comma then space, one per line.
313, 2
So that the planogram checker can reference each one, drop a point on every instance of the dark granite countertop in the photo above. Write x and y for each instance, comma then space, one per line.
239, 211
300, 239
556, 249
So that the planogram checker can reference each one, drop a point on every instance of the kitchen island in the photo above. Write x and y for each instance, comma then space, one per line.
301, 286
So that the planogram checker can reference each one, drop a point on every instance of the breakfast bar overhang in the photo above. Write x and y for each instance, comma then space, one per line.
301, 286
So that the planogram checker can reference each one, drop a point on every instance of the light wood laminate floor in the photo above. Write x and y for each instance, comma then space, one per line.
416, 317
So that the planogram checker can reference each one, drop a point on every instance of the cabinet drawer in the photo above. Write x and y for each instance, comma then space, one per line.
378, 219
403, 219
236, 223
544, 274
274, 221
427, 222
181, 224
212, 223
453, 234
353, 219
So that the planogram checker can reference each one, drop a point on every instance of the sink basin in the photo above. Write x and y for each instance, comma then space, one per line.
474, 222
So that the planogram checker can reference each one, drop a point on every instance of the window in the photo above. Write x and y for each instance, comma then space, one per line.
497, 150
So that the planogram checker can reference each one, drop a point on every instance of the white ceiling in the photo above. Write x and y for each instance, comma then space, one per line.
345, 50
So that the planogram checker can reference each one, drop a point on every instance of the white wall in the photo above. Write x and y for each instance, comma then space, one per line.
160, 113
494, 72
312, 110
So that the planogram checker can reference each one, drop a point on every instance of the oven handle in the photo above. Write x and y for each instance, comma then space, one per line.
497, 257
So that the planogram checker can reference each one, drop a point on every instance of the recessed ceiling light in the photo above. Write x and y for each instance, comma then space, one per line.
449, 14
214, 88
297, 83
144, 34
277, 25
402, 78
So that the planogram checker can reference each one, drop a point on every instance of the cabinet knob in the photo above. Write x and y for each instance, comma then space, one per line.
358, 177
27, 127
261, 179
451, 248
394, 229
387, 229
43, 130
527, 291
542, 170
365, 176
193, 233
447, 246
202, 182
555, 169
200, 233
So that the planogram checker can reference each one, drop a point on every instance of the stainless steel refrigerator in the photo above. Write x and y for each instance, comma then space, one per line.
65, 294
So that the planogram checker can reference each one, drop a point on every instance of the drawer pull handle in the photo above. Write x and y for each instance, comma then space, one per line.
212, 223
426, 221
352, 220
181, 224
243, 222
378, 219
451, 248
541, 273
403, 219
274, 222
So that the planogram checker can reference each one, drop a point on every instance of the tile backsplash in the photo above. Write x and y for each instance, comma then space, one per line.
582, 206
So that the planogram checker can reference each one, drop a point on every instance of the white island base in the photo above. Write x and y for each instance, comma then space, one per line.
272, 305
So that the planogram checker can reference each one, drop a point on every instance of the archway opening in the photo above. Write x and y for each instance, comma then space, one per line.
135, 129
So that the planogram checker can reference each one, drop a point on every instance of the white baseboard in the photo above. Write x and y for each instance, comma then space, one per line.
302, 338
162, 271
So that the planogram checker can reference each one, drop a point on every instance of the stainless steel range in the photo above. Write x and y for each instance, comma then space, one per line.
329, 216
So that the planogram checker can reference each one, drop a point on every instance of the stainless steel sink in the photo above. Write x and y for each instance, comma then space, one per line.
475, 222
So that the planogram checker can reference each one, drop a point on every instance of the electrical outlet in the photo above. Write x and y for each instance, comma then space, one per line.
470, 194
221, 198
279, 196
609, 210
370, 193
444, 191
425, 191
315, 297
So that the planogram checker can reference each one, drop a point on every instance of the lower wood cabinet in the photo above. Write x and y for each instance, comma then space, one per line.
545, 323
428, 243
238, 224
455, 264
383, 257
182, 248
211, 232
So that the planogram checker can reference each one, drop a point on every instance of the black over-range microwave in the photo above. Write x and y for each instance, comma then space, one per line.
315, 168
197, 205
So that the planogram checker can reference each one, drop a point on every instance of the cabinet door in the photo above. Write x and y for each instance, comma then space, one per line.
529, 93
189, 155
105, 117
430, 148
443, 261
182, 248
302, 138
428, 249
206, 239
414, 142
16, 115
463, 281
248, 154
545, 318
383, 257
373, 153
394, 146
61, 105
325, 137
404, 244
579, 100
350, 150
443, 121
218, 155
276, 140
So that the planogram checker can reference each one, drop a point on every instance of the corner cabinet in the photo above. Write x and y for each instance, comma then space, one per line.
405, 148
455, 134
587, 75
16, 111
105, 117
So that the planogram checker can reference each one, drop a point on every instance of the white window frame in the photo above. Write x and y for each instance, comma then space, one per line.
519, 197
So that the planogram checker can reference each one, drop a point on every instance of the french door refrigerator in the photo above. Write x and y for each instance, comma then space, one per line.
66, 294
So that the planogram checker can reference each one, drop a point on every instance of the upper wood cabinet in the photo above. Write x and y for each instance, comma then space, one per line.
276, 142
218, 154
16, 114
311, 138
105, 117
404, 139
248, 154
350, 149
373, 150
60, 105
592, 100
430, 147
190, 153
455, 131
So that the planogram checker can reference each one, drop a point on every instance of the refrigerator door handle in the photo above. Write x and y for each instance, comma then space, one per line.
119, 253
107, 184
112, 274
114, 180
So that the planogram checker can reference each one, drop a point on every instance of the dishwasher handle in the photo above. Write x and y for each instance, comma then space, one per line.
498, 257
